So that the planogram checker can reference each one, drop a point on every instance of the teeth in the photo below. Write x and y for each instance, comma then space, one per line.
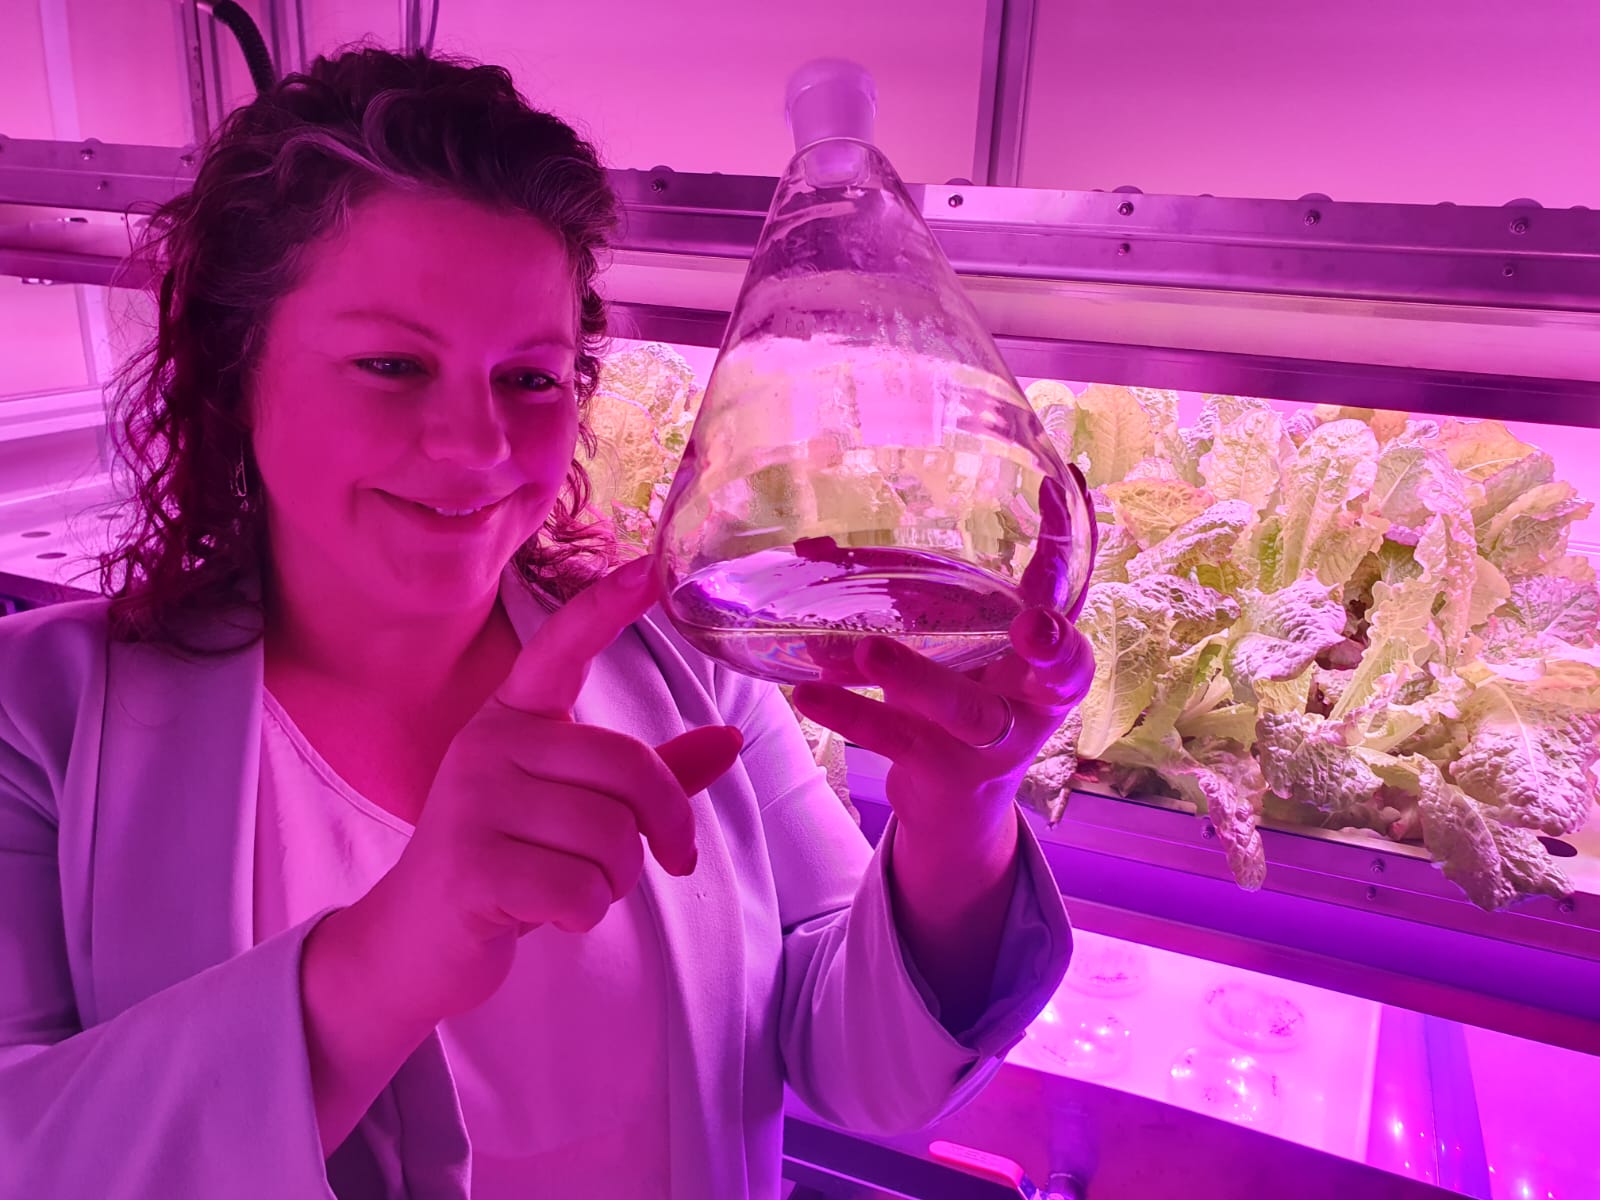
458, 512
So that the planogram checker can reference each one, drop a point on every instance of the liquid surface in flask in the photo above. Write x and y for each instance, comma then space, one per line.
786, 616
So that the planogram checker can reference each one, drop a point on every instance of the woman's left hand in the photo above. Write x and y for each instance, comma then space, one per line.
959, 743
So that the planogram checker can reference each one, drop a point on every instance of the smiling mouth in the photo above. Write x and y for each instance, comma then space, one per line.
449, 511
457, 512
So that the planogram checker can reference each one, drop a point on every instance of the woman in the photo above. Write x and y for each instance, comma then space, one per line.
322, 841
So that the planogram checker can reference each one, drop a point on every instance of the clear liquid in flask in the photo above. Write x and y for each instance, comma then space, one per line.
798, 614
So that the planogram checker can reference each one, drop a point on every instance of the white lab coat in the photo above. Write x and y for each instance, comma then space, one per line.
148, 1049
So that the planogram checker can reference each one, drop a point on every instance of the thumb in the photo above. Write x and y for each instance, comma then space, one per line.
702, 756
1059, 659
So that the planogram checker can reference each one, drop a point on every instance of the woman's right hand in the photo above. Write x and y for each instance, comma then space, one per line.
536, 820
532, 819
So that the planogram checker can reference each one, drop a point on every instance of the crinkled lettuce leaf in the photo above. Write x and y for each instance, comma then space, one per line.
640, 412
1333, 471
1245, 461
1197, 611
1117, 549
1192, 684
1493, 863
1567, 609
1152, 508
1113, 432
1204, 549
1531, 751
1222, 780
1312, 761
1130, 631
1047, 786
1280, 634
1480, 450
1057, 410
1532, 529
1505, 485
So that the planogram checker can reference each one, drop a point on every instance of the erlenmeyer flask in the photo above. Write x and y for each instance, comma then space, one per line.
863, 461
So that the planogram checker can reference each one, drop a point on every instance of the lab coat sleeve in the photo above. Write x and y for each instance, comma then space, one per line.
861, 1038
202, 1089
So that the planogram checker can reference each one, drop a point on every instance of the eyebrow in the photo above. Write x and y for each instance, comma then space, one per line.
536, 341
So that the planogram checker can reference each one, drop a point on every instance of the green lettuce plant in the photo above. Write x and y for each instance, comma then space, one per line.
1341, 618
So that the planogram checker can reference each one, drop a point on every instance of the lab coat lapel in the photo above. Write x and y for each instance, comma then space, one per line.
175, 819
702, 941
174, 885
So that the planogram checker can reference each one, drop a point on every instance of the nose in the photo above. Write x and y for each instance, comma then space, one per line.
463, 425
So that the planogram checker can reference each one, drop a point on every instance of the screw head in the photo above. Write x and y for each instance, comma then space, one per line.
1568, 905
86, 153
1372, 892
955, 201
1312, 217
1126, 208
1508, 270
1208, 830
103, 186
1520, 225
1379, 866
186, 159
1124, 249
658, 185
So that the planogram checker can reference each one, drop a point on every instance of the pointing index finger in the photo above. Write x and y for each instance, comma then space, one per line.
549, 673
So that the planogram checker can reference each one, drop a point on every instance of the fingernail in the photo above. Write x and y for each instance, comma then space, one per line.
1044, 628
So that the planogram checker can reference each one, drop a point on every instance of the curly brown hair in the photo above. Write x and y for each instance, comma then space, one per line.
281, 172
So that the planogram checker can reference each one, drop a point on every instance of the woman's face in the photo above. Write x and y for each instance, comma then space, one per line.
413, 410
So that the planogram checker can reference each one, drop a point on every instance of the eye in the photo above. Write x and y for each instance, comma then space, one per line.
389, 368
537, 382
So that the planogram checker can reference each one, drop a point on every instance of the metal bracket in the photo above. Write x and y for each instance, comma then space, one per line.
286, 34
56, 36
1008, 37
203, 66
1213, 294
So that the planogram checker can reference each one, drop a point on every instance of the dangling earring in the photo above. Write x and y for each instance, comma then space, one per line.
241, 483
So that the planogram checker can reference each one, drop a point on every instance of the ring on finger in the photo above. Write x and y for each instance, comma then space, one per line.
1005, 729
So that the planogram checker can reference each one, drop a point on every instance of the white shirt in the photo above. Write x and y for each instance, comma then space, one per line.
561, 1074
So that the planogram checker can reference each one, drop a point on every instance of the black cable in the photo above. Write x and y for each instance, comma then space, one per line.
251, 44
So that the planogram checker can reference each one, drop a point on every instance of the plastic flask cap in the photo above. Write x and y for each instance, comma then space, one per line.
829, 99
